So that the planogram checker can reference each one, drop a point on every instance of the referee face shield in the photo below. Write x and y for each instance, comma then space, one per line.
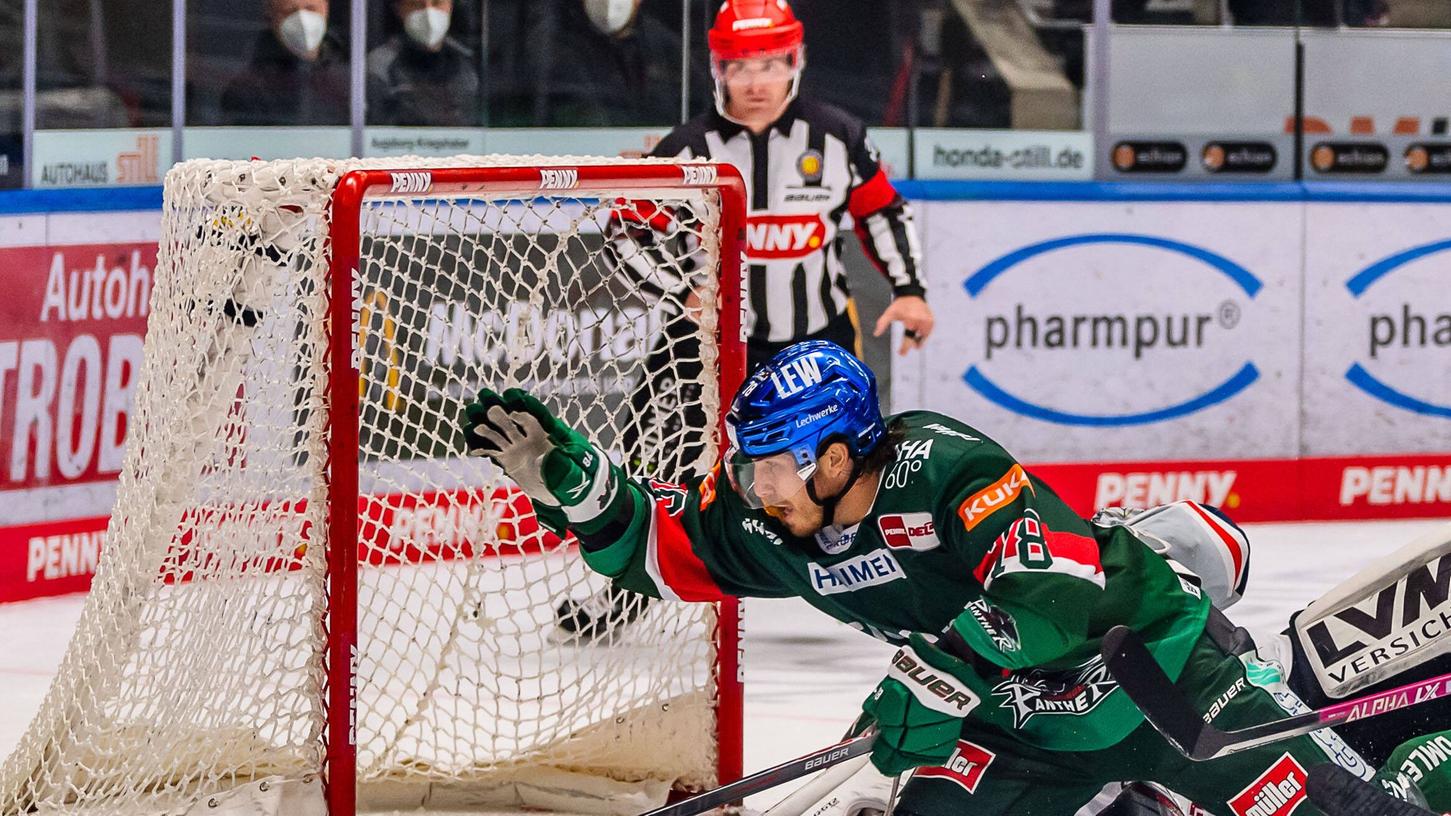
759, 85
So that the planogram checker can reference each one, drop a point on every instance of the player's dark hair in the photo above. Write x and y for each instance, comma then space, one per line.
886, 451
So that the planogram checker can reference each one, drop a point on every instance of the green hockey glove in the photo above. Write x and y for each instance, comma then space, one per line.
550, 462
919, 707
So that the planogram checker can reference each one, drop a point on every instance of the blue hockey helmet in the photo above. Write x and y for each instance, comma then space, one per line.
808, 395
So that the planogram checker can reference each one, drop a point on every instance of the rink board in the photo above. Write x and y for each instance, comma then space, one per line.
1280, 349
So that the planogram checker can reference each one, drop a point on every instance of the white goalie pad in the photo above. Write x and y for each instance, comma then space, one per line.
1195, 539
853, 788
1392, 615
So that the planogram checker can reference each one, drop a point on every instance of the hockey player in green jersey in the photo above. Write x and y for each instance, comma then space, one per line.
922, 531
1423, 763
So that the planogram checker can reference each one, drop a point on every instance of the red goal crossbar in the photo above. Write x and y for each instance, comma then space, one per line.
524, 182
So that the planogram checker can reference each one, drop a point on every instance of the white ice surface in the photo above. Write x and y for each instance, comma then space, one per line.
806, 675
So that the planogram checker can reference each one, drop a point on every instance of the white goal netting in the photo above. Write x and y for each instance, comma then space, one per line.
199, 671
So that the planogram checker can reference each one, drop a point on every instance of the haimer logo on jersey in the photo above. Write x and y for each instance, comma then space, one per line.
1278, 791
876, 567
909, 531
781, 237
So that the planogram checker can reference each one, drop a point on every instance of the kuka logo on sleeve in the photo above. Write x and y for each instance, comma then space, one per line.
1278, 791
985, 502
964, 768
782, 237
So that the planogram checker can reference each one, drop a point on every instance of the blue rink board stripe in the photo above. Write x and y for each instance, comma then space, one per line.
112, 199
82, 199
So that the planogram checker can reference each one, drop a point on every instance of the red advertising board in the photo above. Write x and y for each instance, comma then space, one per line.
71, 326
56, 558
60, 557
1341, 488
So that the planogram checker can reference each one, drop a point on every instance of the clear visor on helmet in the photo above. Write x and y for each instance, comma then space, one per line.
767, 481
767, 66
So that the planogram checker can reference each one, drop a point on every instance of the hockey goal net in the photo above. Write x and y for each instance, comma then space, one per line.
309, 601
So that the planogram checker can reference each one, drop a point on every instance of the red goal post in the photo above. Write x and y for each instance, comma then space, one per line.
584, 180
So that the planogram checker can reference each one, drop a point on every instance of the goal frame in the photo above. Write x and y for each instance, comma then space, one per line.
353, 190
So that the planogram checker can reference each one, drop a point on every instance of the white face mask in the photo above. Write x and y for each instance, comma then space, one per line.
301, 32
611, 16
427, 26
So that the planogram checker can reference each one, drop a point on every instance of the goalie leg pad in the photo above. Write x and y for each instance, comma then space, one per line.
1386, 619
1193, 537
863, 794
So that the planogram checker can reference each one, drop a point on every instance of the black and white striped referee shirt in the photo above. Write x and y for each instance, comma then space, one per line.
804, 175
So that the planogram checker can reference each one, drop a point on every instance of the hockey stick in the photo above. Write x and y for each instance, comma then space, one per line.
771, 777
817, 789
1166, 707
1338, 792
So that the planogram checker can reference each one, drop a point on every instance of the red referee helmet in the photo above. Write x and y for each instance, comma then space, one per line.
755, 29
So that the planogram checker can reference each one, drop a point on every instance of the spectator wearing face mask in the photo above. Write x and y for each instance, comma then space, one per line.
298, 74
422, 76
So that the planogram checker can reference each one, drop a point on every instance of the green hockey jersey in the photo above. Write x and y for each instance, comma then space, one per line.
1425, 762
960, 539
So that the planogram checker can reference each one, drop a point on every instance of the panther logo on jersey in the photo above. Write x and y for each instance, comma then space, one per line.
1075, 692
997, 623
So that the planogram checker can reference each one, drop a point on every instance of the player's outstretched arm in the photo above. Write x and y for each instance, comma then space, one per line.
569, 479
645, 538
574, 486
